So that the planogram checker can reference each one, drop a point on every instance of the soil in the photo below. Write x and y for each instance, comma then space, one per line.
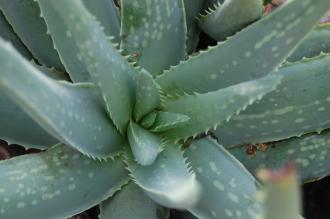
316, 199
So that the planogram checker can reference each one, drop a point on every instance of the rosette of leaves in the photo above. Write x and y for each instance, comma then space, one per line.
118, 103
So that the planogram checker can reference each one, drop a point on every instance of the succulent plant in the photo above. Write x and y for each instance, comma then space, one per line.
131, 115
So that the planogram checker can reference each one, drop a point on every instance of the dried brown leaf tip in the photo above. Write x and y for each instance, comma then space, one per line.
4, 154
135, 55
272, 6
262, 147
118, 3
251, 150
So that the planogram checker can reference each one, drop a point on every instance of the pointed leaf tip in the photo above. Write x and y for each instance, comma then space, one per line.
72, 113
167, 120
208, 110
112, 73
145, 145
250, 54
232, 16
168, 181
147, 95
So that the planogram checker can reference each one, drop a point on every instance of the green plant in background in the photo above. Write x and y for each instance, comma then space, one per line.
118, 105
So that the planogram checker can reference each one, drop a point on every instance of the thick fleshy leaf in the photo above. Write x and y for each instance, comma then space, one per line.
64, 42
153, 30
208, 110
145, 145
24, 16
18, 128
300, 104
317, 41
131, 202
74, 114
149, 120
310, 153
250, 54
282, 197
14, 121
193, 31
57, 183
7, 33
51, 72
166, 121
106, 13
111, 72
228, 189
228, 18
147, 95
167, 181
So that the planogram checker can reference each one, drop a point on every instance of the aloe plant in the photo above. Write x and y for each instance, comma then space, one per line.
119, 103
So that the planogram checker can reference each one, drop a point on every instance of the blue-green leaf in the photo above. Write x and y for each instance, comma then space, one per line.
226, 19
310, 153
147, 95
250, 54
131, 202
149, 120
65, 44
208, 110
18, 128
145, 145
167, 181
300, 104
317, 41
166, 121
24, 16
111, 72
153, 30
58, 183
193, 31
228, 189
74, 114
51, 72
106, 13
7, 33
